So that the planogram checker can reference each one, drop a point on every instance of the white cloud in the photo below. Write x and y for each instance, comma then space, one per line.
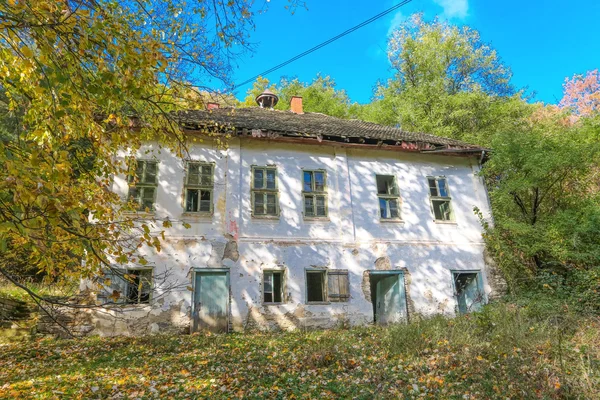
396, 20
454, 8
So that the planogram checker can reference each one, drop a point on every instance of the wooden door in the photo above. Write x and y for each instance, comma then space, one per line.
390, 299
211, 302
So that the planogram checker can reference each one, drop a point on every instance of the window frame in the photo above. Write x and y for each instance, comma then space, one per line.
264, 191
314, 194
125, 285
480, 287
387, 197
143, 185
439, 198
187, 186
325, 285
282, 288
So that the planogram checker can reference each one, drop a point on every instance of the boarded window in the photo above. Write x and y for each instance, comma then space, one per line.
389, 197
199, 187
315, 286
143, 183
313, 192
265, 195
273, 287
130, 286
440, 198
468, 290
338, 286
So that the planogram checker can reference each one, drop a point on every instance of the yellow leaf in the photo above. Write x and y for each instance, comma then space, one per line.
26, 51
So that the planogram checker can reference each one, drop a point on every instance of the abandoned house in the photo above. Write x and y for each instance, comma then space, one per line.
304, 221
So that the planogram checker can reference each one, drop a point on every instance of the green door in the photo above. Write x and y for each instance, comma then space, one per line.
211, 302
390, 298
469, 291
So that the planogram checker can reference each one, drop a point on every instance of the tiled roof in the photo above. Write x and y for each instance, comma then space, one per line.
310, 125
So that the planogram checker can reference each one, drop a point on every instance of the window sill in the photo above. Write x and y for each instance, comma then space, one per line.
192, 215
273, 304
391, 221
272, 218
440, 222
318, 303
126, 306
316, 219
140, 213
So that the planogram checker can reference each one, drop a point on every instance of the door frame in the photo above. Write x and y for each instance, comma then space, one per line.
480, 284
197, 271
390, 272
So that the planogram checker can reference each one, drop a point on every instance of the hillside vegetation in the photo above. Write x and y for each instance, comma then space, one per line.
543, 349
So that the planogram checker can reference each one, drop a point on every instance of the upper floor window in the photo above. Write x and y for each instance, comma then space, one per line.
265, 195
389, 197
199, 187
440, 198
313, 192
143, 184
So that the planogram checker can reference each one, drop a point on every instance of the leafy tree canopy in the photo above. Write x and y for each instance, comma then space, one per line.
321, 95
79, 79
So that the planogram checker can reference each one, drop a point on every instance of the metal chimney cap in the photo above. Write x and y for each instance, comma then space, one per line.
267, 99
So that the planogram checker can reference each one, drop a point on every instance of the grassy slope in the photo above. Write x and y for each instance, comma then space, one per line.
504, 352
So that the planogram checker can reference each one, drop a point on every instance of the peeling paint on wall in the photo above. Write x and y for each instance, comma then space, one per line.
353, 238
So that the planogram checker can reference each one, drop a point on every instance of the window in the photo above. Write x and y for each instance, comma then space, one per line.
468, 290
273, 287
130, 286
389, 197
143, 184
338, 287
199, 187
315, 286
440, 198
332, 285
313, 192
265, 196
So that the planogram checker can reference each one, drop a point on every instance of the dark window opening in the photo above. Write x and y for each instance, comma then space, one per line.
315, 286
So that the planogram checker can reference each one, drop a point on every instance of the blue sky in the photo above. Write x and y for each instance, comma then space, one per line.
542, 41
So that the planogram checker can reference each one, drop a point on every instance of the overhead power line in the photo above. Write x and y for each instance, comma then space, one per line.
325, 43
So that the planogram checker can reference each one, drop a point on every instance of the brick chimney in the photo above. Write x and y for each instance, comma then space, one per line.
212, 106
296, 105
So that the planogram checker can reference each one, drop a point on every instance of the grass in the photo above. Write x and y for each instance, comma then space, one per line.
11, 291
507, 351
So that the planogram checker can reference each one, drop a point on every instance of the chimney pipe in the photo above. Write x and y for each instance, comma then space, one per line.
296, 105
212, 106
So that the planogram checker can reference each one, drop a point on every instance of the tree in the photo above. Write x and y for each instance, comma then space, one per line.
79, 79
581, 94
320, 95
447, 82
546, 207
